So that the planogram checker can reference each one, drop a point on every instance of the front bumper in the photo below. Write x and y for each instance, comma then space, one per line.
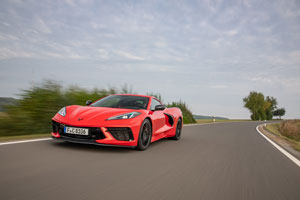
83, 141
106, 136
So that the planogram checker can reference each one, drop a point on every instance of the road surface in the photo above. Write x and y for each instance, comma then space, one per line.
212, 161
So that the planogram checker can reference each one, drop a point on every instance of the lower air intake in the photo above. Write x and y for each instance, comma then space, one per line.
121, 133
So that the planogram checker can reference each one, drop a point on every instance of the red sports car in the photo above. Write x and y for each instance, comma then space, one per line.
118, 120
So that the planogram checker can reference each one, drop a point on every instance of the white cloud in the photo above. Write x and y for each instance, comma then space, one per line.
102, 53
42, 26
219, 86
6, 37
160, 44
287, 84
128, 55
232, 32
70, 2
6, 53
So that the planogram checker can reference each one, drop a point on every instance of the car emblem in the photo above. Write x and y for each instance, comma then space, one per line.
80, 118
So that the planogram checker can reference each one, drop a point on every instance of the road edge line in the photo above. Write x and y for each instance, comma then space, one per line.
24, 141
286, 153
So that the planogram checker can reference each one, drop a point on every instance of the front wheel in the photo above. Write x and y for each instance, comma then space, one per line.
145, 135
178, 130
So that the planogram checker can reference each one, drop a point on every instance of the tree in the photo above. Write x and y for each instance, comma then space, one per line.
261, 108
271, 106
279, 112
255, 102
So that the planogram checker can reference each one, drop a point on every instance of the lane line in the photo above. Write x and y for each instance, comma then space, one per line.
24, 141
287, 154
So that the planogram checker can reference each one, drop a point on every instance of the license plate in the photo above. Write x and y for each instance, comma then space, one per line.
76, 131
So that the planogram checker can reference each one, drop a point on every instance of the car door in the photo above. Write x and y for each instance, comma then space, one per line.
157, 117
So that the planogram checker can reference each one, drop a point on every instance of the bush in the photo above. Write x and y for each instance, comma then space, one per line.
187, 114
291, 129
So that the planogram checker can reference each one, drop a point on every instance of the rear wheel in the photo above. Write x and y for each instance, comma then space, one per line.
145, 135
178, 130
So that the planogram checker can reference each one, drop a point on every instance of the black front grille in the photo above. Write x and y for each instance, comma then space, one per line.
121, 133
95, 133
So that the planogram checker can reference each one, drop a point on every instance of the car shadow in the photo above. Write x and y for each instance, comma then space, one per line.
106, 149
91, 147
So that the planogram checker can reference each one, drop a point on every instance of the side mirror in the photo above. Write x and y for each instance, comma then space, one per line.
88, 102
160, 107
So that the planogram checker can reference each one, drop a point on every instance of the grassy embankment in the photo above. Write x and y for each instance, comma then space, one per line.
288, 130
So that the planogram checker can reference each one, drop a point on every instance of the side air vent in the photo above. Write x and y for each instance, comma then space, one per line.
169, 119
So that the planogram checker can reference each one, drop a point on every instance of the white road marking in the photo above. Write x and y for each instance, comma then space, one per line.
24, 141
287, 154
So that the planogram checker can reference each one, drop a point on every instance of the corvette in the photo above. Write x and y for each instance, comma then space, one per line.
118, 120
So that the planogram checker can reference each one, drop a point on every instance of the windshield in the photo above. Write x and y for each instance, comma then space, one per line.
123, 101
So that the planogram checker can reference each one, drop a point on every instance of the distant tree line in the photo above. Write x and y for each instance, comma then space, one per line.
37, 105
262, 108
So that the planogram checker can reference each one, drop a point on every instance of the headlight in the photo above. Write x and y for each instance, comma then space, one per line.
125, 116
62, 111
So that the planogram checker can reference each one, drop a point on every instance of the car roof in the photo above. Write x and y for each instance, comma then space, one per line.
138, 95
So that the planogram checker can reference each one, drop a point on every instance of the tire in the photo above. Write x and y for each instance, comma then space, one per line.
178, 130
145, 135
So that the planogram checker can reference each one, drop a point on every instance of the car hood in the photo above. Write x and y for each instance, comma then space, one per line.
90, 115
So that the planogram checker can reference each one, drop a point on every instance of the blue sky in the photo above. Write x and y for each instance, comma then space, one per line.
209, 54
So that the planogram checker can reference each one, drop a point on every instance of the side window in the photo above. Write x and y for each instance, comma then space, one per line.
154, 103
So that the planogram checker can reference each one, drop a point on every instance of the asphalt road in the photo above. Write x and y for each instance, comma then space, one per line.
215, 161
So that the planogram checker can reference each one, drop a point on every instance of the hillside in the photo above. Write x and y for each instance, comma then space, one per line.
6, 101
208, 117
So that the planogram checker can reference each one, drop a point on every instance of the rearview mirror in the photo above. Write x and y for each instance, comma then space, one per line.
88, 102
160, 107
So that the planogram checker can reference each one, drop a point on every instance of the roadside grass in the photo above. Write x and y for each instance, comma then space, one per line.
24, 137
291, 129
275, 129
202, 121
3, 114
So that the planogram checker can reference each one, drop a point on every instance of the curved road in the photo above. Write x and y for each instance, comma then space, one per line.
212, 161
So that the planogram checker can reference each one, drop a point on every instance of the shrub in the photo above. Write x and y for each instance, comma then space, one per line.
187, 114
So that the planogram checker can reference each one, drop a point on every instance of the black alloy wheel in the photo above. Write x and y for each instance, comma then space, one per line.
145, 135
178, 130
